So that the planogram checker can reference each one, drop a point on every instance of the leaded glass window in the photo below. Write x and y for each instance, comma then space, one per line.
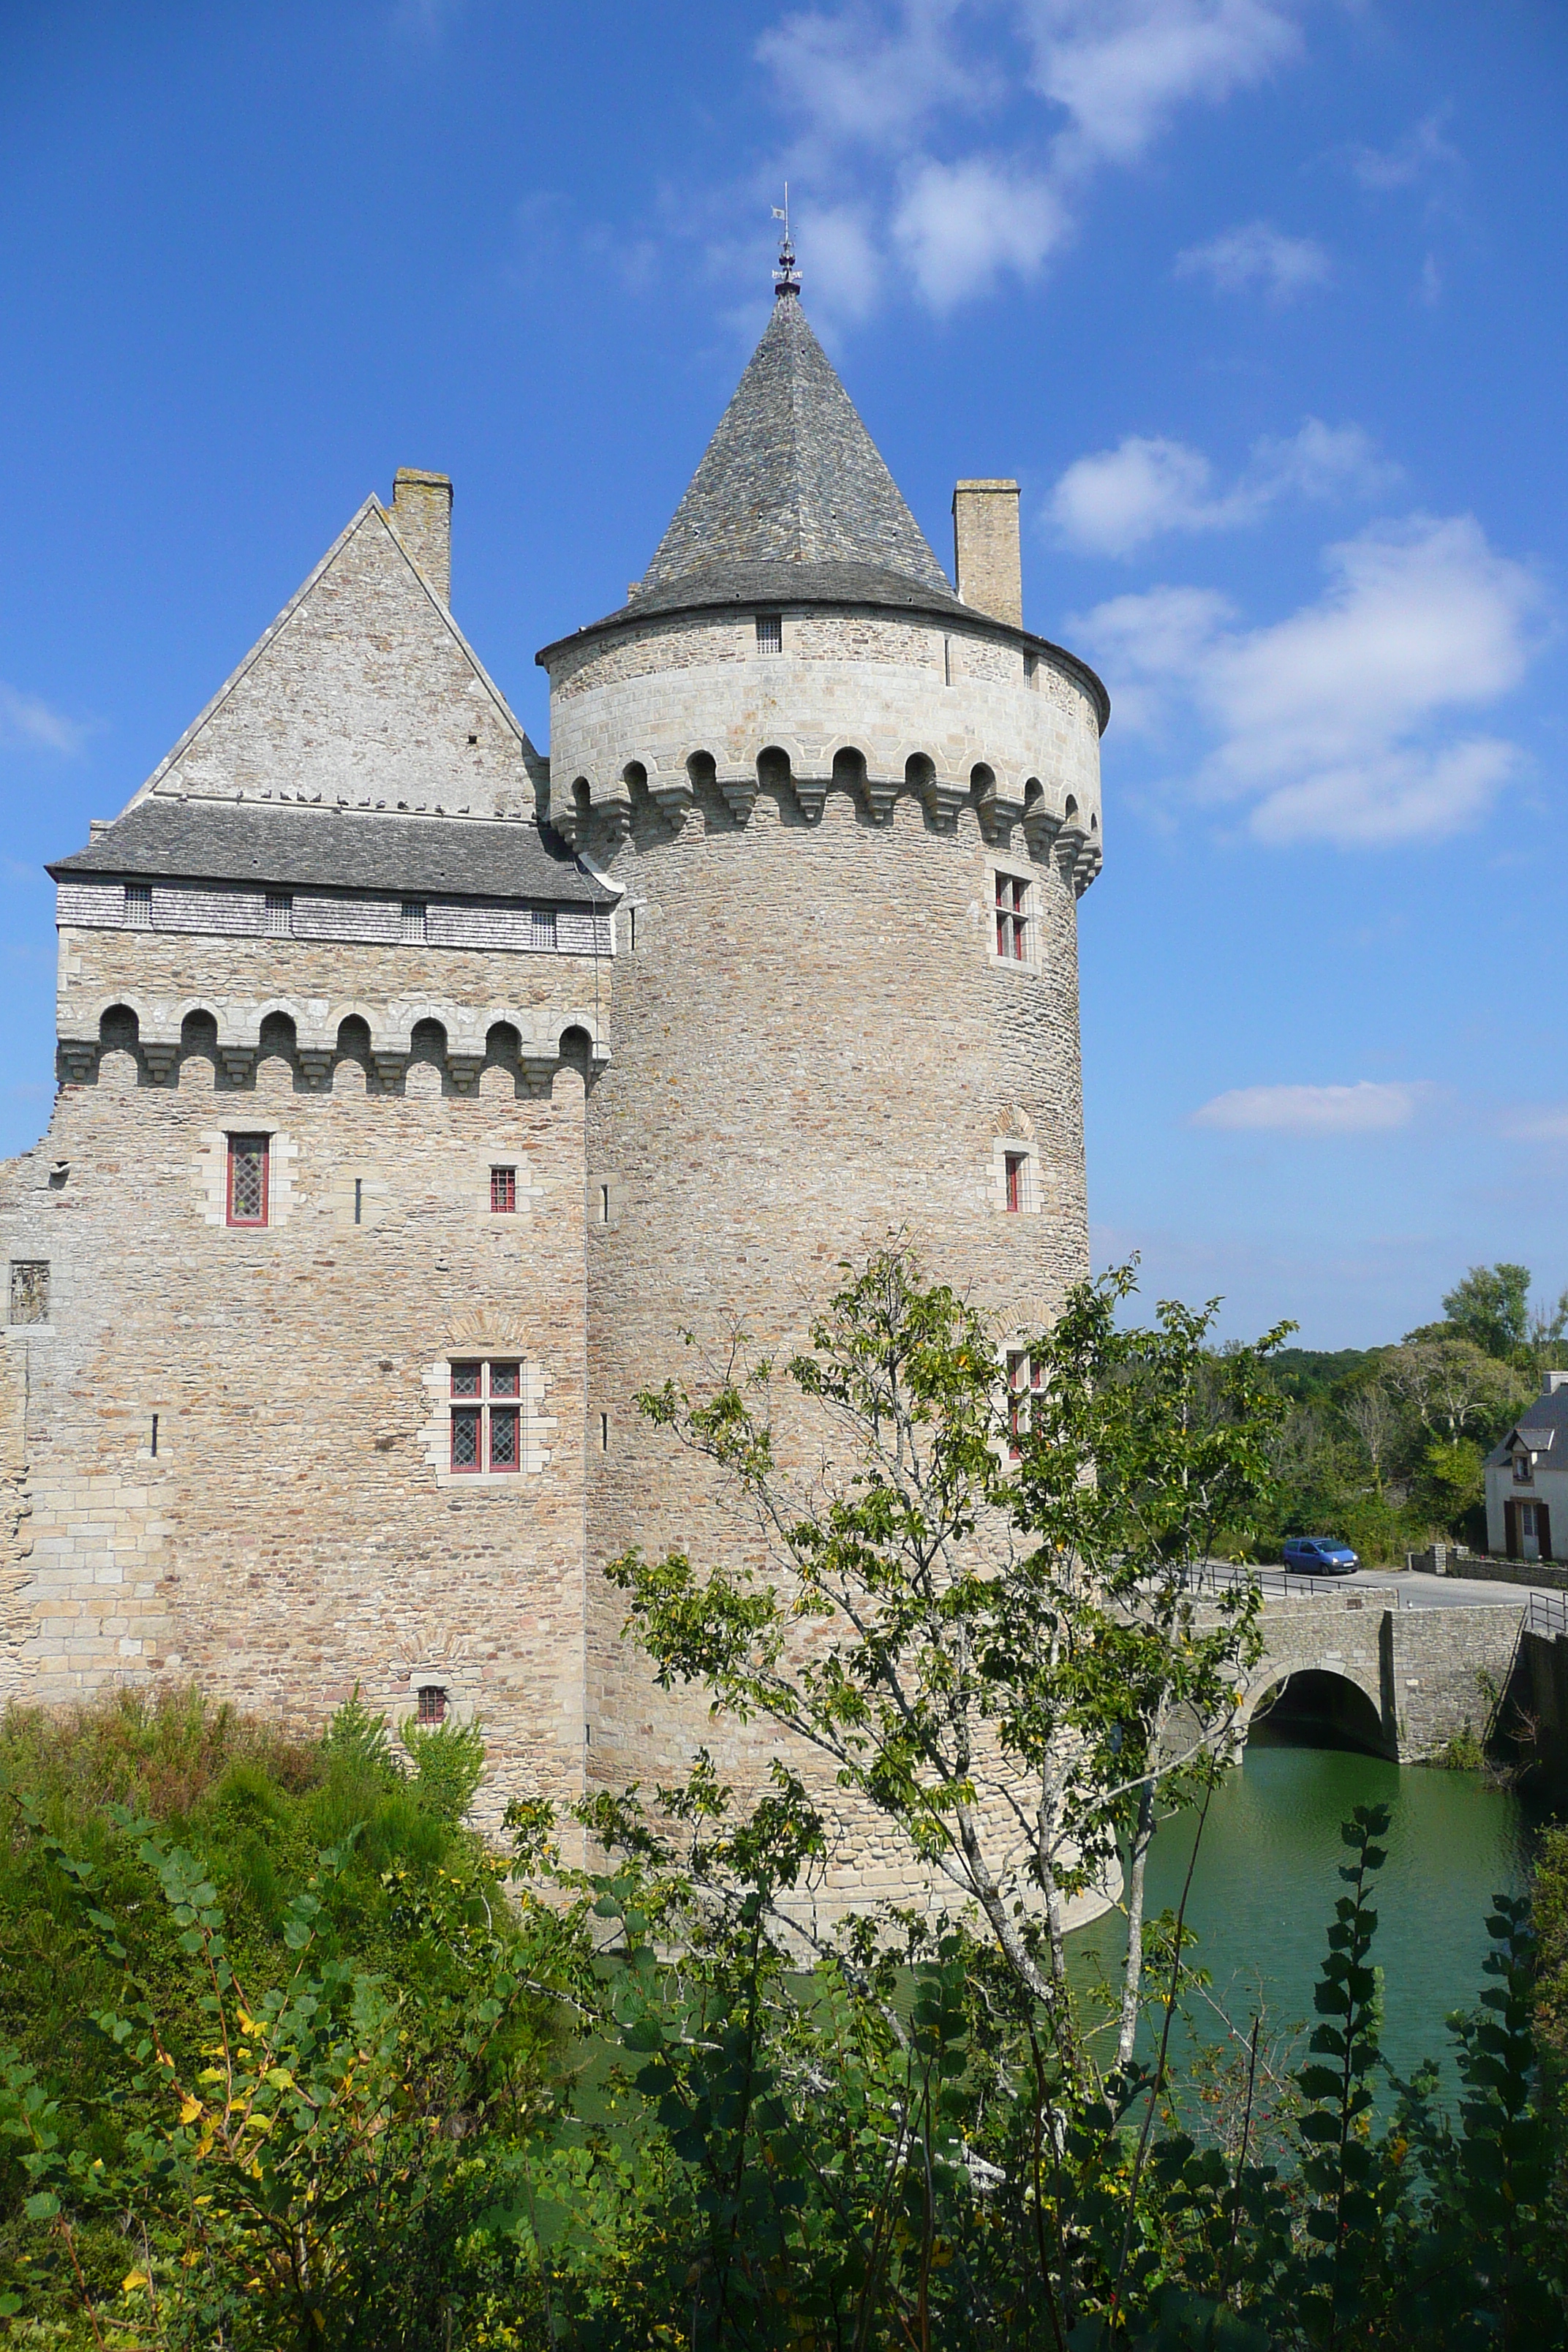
248, 1156
487, 1433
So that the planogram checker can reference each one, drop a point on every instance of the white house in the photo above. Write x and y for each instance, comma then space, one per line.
1527, 1480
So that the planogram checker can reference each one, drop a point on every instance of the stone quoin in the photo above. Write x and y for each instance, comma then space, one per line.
416, 1094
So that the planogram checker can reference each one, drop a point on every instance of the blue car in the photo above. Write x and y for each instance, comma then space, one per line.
1320, 1556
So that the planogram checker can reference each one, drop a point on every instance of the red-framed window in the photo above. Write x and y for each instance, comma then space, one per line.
503, 1192
432, 1703
248, 1178
487, 1415
1014, 1180
1012, 918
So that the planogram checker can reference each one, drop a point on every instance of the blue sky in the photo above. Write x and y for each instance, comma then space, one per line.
1262, 301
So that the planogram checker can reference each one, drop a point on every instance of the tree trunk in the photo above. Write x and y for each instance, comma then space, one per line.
1133, 1976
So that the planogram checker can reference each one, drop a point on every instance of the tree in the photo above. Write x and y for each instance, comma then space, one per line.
1490, 1307
977, 1612
1451, 1386
1373, 1415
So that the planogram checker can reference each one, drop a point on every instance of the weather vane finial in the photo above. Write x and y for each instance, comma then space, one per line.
786, 278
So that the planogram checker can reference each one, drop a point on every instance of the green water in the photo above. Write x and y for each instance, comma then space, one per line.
1266, 1880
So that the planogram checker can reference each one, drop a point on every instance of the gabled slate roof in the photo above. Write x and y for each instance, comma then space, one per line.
162, 839
792, 477
1541, 1422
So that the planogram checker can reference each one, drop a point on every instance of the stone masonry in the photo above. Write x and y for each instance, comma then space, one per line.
416, 1094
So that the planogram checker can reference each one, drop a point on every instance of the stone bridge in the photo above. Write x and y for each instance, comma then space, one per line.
1401, 1681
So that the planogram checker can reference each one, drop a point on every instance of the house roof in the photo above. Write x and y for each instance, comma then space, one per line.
1542, 1421
162, 838
791, 476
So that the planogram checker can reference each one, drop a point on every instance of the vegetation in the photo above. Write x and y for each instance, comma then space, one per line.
1385, 1446
293, 2056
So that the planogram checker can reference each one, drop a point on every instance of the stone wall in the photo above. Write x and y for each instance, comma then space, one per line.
817, 1046
218, 1456
954, 718
1429, 1672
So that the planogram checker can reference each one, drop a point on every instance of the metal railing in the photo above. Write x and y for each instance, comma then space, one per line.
1218, 1575
1547, 1612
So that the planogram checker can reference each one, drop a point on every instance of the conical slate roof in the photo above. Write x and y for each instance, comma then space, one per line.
791, 477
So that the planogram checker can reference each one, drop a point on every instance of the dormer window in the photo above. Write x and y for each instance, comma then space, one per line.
1522, 1463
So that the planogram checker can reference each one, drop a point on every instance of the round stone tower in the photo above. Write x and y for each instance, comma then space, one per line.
848, 814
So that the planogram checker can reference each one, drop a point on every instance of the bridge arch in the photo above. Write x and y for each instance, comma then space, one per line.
1339, 1703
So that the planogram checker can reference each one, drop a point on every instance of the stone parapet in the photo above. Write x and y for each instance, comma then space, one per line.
946, 719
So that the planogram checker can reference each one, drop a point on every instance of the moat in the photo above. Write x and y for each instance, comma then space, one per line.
1266, 1881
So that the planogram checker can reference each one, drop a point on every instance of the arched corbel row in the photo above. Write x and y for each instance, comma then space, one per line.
459, 1041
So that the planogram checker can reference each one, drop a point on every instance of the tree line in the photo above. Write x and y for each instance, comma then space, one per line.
1386, 1446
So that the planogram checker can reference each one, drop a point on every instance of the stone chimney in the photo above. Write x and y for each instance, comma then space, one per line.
986, 548
422, 517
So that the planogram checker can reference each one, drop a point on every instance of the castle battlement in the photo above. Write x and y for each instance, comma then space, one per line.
416, 1097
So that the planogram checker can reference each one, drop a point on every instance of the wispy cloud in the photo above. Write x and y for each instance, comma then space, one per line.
1419, 156
1537, 1123
1335, 724
1368, 1107
1259, 256
1118, 499
897, 108
961, 226
25, 718
1121, 68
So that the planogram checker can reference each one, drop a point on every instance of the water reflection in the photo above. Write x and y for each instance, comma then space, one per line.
1266, 1880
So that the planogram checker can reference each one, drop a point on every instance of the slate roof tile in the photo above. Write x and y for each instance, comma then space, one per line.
231, 841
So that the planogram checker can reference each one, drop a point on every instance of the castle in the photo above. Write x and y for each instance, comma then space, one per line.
414, 1091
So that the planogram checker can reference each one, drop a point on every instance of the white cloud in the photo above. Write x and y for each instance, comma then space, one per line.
1332, 725
1118, 499
1259, 255
1120, 67
25, 718
888, 98
1415, 157
1365, 1109
873, 80
960, 226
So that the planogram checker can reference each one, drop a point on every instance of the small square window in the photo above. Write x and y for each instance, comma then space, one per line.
466, 1378
466, 1437
432, 1703
503, 1192
248, 1171
770, 632
506, 1380
279, 920
139, 906
29, 1290
412, 919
